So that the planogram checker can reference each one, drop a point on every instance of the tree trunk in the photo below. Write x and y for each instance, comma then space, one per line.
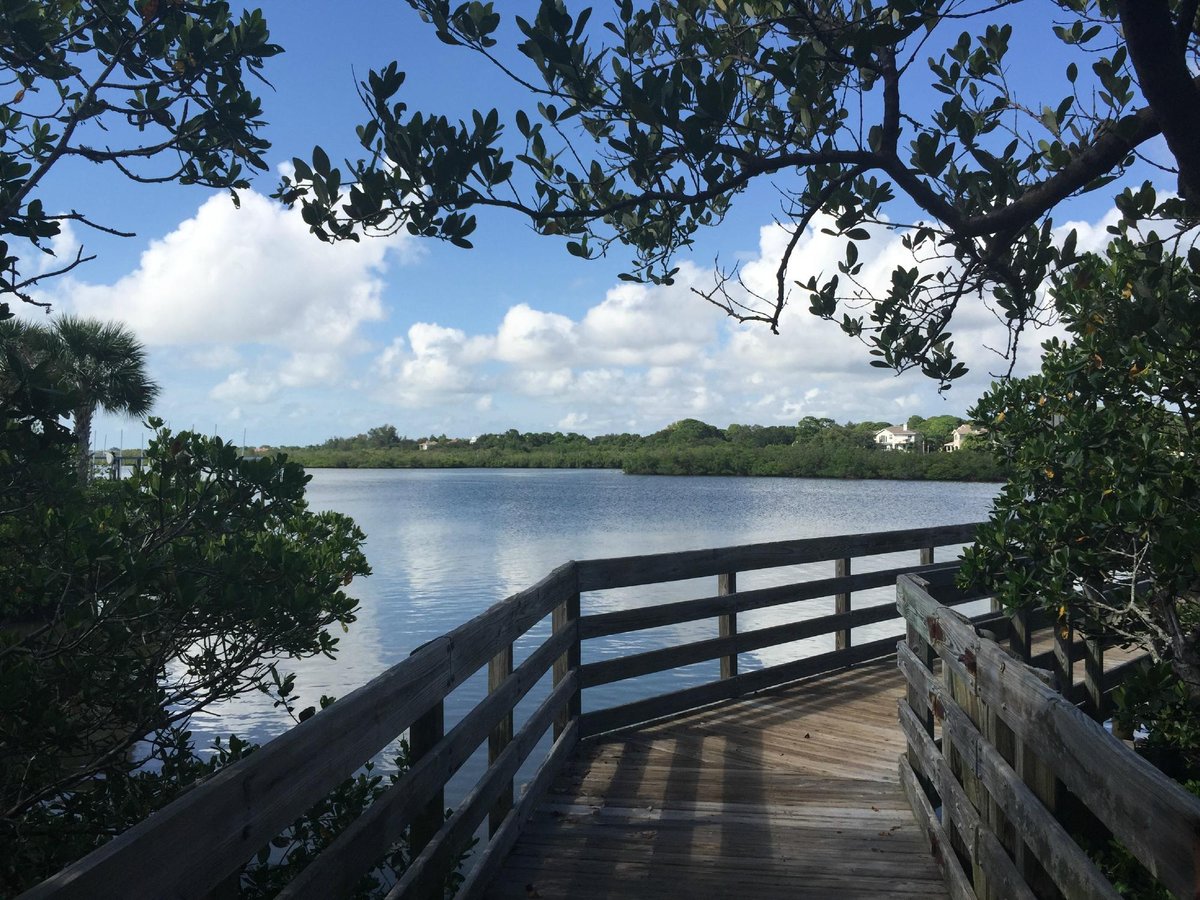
1185, 642
83, 442
1158, 51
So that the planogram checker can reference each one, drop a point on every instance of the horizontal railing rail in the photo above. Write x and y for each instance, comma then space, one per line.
1003, 771
730, 641
197, 846
191, 847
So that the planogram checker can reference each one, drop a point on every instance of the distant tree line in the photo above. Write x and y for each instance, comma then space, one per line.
813, 448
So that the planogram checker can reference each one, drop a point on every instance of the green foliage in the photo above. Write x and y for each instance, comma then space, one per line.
1101, 515
936, 430
127, 607
91, 364
156, 89
643, 130
688, 432
1155, 701
687, 447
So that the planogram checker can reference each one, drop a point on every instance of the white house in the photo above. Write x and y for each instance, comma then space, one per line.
898, 437
960, 433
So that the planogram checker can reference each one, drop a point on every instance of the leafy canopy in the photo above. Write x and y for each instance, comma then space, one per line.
155, 89
1101, 516
128, 606
643, 130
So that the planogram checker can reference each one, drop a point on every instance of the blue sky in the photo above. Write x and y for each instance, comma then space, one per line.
255, 327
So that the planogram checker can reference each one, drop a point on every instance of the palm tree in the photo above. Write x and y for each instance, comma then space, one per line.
99, 364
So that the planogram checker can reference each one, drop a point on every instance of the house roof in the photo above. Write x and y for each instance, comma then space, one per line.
899, 431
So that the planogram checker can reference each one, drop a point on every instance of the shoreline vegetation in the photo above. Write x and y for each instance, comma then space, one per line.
815, 448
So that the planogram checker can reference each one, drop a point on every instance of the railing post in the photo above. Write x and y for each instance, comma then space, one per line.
423, 736
500, 667
927, 556
1093, 678
727, 623
1064, 667
841, 604
565, 616
917, 701
1020, 638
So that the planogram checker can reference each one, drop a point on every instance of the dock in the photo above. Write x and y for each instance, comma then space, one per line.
958, 756
776, 795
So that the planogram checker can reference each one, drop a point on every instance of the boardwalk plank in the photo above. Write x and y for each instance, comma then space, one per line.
791, 793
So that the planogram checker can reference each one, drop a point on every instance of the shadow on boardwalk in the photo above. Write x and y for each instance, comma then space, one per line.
790, 793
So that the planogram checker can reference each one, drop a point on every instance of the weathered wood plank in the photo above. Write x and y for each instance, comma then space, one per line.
1093, 678
747, 682
601, 574
1072, 870
188, 848
977, 837
1021, 636
675, 613
791, 793
841, 603
566, 618
1150, 814
423, 737
1064, 655
500, 667
502, 841
939, 846
650, 661
727, 623
429, 869
365, 840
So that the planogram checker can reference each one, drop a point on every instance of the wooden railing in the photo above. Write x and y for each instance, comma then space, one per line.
1005, 773
196, 846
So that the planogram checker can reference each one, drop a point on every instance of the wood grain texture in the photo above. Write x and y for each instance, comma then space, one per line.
493, 855
729, 688
625, 571
1156, 819
957, 885
1003, 879
1072, 870
188, 848
427, 872
365, 840
841, 603
792, 792
640, 617
727, 625
499, 668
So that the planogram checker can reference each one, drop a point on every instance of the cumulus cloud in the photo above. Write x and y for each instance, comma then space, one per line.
229, 276
644, 355
286, 323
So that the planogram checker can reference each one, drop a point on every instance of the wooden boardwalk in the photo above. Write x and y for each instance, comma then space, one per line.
793, 793
790, 790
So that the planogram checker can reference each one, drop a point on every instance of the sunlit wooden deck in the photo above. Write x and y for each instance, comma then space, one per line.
782, 781
790, 793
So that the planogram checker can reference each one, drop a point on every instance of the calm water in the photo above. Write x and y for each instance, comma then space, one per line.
446, 544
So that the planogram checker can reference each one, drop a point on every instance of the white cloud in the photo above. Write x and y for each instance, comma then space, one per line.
528, 337
645, 355
241, 387
284, 319
230, 276
218, 356
434, 366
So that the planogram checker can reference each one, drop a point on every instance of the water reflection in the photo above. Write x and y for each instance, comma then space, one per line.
446, 544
